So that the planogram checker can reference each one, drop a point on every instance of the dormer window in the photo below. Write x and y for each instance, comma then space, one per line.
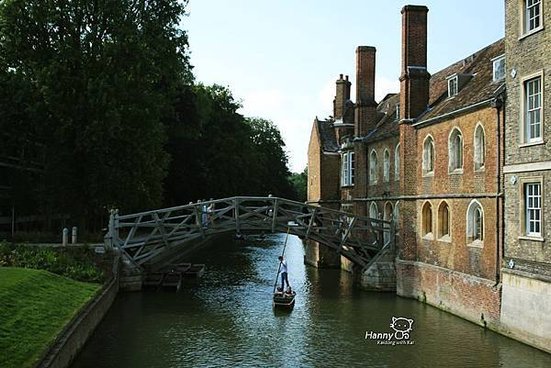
456, 82
453, 86
499, 68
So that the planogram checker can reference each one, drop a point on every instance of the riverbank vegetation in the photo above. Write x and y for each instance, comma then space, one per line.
35, 305
100, 110
79, 264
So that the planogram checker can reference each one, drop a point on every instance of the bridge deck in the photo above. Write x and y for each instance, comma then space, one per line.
144, 236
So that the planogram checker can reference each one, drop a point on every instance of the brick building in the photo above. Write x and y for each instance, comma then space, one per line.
430, 158
526, 300
461, 161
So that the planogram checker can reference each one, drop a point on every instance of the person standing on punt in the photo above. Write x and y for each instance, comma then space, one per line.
284, 275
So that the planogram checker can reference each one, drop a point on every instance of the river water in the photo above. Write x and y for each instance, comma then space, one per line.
226, 320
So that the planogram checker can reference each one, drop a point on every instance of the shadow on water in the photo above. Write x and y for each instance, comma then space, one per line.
227, 319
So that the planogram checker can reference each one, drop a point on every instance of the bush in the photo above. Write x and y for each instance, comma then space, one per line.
75, 263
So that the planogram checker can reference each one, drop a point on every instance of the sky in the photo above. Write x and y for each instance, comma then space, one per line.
281, 58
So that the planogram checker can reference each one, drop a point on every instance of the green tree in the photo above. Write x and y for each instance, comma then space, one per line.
300, 182
270, 159
104, 76
228, 155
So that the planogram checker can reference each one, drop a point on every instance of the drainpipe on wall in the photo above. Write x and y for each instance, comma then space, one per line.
498, 104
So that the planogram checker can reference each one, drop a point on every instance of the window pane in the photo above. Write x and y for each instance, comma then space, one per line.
533, 208
533, 109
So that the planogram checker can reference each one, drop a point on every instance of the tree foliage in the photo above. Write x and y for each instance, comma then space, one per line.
106, 92
300, 183
102, 76
231, 155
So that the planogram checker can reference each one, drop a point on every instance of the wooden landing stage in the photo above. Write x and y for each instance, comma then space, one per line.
171, 278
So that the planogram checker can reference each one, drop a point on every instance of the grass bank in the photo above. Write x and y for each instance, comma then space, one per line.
35, 306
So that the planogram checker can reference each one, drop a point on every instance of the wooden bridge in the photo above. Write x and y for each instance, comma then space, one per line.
144, 237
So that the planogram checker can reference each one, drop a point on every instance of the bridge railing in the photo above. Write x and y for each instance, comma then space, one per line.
143, 236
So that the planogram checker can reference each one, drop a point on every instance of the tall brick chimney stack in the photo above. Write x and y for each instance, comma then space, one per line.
342, 95
414, 98
366, 107
414, 78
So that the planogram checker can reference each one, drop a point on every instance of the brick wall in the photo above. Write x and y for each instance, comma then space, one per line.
314, 166
456, 252
475, 299
526, 55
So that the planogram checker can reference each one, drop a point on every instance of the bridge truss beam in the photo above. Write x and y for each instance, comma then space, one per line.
142, 237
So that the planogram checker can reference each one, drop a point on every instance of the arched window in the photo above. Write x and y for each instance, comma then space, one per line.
475, 223
373, 169
397, 162
428, 156
373, 210
388, 214
386, 166
444, 220
427, 219
479, 148
455, 150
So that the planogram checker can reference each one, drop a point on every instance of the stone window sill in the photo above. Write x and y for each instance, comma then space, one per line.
533, 31
530, 144
456, 172
445, 239
532, 238
428, 236
476, 244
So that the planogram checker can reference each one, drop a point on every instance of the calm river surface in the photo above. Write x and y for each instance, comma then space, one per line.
226, 320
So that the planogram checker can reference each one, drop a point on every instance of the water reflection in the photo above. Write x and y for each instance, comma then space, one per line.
227, 319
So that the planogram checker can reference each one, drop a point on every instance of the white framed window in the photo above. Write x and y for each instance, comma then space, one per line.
397, 111
532, 16
426, 220
428, 156
453, 86
498, 68
347, 168
479, 148
386, 166
455, 151
444, 221
532, 110
373, 168
397, 162
532, 209
475, 223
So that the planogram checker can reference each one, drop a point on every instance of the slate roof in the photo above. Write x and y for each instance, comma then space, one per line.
480, 87
327, 135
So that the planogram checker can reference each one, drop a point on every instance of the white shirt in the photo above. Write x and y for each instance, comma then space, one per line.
283, 266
